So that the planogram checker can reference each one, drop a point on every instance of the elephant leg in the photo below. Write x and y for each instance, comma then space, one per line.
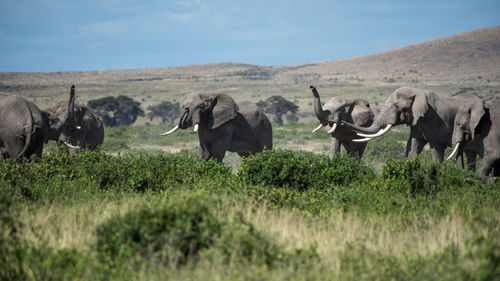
214, 150
356, 149
496, 168
14, 147
487, 164
471, 160
334, 147
414, 146
437, 153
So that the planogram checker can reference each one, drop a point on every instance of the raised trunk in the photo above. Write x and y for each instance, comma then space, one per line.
71, 107
318, 109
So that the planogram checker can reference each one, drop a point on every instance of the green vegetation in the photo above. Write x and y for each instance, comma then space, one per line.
284, 215
165, 110
121, 110
279, 106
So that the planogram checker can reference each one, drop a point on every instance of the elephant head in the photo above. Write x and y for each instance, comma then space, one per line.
206, 111
63, 125
339, 109
404, 106
466, 124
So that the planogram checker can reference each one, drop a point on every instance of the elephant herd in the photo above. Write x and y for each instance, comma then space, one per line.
24, 128
466, 122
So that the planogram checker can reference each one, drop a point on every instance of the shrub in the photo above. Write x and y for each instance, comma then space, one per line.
182, 231
59, 174
301, 170
413, 176
12, 250
173, 233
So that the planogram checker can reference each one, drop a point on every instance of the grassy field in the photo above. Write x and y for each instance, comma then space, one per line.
146, 209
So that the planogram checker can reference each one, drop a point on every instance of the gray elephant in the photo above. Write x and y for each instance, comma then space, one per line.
23, 128
223, 125
337, 109
430, 117
88, 134
477, 127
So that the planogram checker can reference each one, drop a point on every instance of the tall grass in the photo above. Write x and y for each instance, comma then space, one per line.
414, 220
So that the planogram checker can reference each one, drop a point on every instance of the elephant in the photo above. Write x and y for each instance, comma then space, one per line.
88, 134
477, 127
338, 109
23, 128
430, 116
223, 125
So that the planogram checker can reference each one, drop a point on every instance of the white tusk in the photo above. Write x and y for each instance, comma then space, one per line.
377, 134
78, 127
195, 129
454, 151
171, 131
362, 140
317, 128
333, 128
72, 146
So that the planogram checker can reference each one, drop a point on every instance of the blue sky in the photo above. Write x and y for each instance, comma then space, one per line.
67, 35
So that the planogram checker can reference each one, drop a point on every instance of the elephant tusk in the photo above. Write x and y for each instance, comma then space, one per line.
78, 127
363, 140
317, 128
454, 151
377, 134
171, 131
333, 128
72, 146
195, 129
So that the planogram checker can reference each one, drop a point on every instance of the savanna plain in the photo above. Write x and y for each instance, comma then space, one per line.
146, 208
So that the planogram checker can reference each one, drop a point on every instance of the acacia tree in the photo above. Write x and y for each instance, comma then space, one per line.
121, 110
166, 110
278, 106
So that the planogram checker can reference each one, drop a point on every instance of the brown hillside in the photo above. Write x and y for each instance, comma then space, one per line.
464, 56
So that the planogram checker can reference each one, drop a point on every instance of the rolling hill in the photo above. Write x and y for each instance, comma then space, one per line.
469, 60
463, 56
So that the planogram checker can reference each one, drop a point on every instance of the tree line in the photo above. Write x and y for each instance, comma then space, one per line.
123, 110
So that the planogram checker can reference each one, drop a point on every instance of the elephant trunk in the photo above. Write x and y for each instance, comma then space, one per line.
318, 109
71, 107
373, 129
181, 121
379, 124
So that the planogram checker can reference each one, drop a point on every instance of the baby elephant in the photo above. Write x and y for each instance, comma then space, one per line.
477, 127
223, 125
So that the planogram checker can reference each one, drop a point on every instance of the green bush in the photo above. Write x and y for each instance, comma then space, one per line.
12, 248
414, 176
59, 174
182, 231
301, 170
173, 233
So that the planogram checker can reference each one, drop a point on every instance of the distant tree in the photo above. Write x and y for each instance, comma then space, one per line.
278, 106
166, 110
291, 117
117, 111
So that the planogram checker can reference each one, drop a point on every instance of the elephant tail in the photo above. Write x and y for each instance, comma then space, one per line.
29, 133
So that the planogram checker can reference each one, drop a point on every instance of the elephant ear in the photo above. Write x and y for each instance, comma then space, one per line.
224, 108
420, 106
362, 113
477, 112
